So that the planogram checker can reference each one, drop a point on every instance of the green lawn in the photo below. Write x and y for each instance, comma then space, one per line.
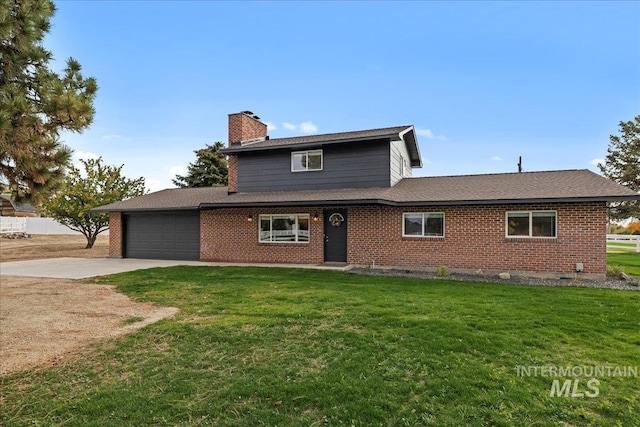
614, 247
630, 261
292, 347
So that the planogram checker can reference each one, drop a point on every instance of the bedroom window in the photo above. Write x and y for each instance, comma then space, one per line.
423, 224
532, 224
303, 161
284, 228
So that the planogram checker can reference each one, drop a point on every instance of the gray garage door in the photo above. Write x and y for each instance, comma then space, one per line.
171, 235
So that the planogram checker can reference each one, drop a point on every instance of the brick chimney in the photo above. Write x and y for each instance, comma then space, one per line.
243, 126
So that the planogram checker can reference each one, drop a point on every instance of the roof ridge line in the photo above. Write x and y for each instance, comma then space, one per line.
337, 133
499, 173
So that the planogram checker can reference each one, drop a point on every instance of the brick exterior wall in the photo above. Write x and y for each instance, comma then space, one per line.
474, 239
115, 235
232, 170
226, 235
243, 127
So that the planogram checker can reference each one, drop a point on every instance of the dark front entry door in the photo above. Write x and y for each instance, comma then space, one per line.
335, 236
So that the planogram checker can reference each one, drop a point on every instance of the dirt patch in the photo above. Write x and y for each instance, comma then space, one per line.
43, 322
52, 246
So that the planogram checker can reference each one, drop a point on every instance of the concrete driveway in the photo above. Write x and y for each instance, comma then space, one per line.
81, 268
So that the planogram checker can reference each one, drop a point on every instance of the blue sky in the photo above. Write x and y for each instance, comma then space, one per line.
482, 82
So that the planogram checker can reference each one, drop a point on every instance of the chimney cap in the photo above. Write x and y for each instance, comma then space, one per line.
250, 113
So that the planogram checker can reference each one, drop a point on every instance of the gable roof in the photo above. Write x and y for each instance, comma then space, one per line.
507, 188
405, 133
19, 206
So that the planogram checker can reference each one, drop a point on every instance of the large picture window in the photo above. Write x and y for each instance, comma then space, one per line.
302, 161
423, 224
284, 228
531, 224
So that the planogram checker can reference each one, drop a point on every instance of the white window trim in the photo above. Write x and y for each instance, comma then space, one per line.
422, 236
297, 215
530, 236
307, 152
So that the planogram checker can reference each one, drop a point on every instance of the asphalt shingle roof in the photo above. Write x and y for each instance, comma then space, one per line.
390, 132
526, 187
19, 206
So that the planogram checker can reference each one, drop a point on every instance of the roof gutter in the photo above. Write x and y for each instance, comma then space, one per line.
384, 202
161, 209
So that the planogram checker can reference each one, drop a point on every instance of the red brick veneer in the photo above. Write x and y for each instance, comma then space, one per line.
115, 235
474, 239
243, 127
232, 171
226, 235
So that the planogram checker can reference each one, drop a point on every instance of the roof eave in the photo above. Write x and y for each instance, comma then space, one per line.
156, 209
232, 150
409, 137
378, 201
517, 201
342, 202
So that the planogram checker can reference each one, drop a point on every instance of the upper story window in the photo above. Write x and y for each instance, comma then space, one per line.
532, 224
302, 161
423, 224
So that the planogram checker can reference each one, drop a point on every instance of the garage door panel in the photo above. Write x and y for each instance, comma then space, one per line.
163, 236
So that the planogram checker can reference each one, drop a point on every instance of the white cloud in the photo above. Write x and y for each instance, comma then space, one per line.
82, 155
496, 158
429, 134
305, 127
110, 137
596, 161
308, 127
271, 126
178, 170
154, 185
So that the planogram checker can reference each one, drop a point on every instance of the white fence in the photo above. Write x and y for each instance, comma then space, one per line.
13, 224
34, 225
625, 238
629, 238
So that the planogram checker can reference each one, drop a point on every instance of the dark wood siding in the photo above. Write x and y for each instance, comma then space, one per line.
354, 165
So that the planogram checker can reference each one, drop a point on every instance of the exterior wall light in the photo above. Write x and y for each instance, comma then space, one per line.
249, 218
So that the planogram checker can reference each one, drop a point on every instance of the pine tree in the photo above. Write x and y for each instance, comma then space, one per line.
209, 169
36, 104
622, 165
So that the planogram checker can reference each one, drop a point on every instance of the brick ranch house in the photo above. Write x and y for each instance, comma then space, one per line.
350, 198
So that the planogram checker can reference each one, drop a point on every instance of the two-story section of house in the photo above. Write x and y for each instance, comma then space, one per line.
350, 198
361, 159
